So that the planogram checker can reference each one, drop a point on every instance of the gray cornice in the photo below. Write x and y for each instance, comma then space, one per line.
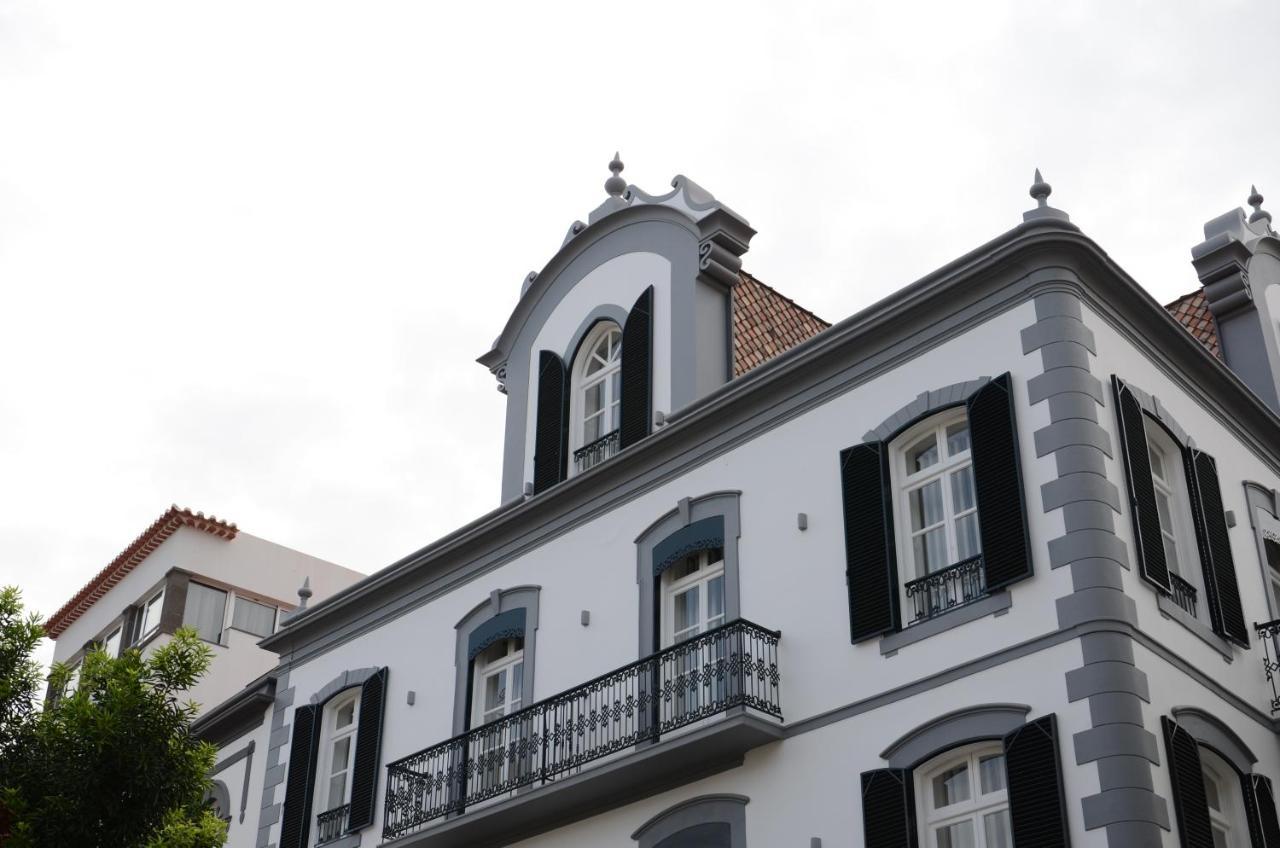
244, 710
1037, 256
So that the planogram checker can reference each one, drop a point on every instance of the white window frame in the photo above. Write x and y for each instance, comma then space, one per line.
975, 808
482, 671
116, 633
145, 632
1229, 818
331, 735
235, 598
580, 382
1173, 485
708, 570
1273, 573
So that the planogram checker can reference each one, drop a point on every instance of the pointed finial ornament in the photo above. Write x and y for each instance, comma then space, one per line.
1040, 191
1259, 214
615, 185
304, 593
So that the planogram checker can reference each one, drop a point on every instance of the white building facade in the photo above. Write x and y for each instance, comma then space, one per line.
977, 566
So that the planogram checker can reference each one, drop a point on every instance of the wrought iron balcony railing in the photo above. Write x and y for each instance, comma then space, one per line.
332, 824
1269, 636
1183, 594
591, 455
947, 588
735, 665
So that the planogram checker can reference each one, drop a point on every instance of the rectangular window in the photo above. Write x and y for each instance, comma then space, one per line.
112, 645
151, 615
253, 617
206, 611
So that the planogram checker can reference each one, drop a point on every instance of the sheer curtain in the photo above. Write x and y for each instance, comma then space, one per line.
206, 610
253, 617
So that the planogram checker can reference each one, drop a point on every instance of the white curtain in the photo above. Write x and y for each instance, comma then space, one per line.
206, 610
253, 617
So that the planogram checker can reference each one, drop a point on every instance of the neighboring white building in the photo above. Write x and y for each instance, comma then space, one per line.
979, 564
188, 569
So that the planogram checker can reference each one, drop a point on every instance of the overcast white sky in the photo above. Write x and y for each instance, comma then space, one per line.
249, 251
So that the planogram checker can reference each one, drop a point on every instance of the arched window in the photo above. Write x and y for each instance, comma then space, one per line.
1226, 807
963, 799
498, 680
337, 756
596, 400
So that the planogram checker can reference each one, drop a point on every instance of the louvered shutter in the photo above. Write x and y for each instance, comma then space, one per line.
296, 818
1148, 541
1190, 804
551, 432
637, 371
997, 480
1037, 803
1221, 589
1260, 809
871, 567
364, 771
888, 809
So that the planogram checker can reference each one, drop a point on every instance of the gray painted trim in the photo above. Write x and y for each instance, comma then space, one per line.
351, 840
730, 809
499, 601
604, 312
925, 404
344, 680
269, 811
687, 511
1169, 609
995, 604
246, 754
958, 727
1214, 733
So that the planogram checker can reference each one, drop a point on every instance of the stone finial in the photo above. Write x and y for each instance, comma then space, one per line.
304, 594
615, 185
1040, 191
1259, 214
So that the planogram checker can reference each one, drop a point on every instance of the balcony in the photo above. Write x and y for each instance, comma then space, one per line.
946, 589
675, 716
1269, 636
1183, 594
332, 824
590, 455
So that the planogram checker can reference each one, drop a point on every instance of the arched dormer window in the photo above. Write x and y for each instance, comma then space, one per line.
595, 403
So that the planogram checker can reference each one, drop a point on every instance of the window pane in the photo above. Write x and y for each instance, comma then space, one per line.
926, 505
1171, 555
922, 454
253, 617
1273, 553
967, 541
341, 755
112, 645
346, 715
151, 618
996, 826
991, 774
951, 787
593, 398
1211, 792
958, 835
74, 680
931, 551
1165, 511
206, 610
591, 430
962, 496
517, 684
337, 790
715, 598
1157, 462
686, 609
685, 567
957, 438
495, 691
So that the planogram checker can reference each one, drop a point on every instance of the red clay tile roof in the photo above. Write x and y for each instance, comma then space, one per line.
163, 527
766, 324
1192, 310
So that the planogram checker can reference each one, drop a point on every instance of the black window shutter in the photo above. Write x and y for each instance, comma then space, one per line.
637, 371
296, 818
551, 431
1142, 491
1220, 585
1260, 809
997, 482
1190, 804
364, 773
888, 809
1037, 804
871, 567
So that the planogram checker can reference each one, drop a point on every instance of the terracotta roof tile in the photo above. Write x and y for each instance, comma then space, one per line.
142, 547
1192, 311
766, 324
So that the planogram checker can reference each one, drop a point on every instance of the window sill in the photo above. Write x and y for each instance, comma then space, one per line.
1169, 609
997, 604
350, 840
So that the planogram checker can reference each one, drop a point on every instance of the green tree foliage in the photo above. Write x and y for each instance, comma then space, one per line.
113, 763
19, 673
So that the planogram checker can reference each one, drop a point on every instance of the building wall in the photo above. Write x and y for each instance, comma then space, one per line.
242, 830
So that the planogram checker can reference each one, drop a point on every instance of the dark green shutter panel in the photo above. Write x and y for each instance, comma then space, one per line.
296, 818
888, 809
1221, 589
1260, 809
1037, 803
1142, 491
364, 773
871, 568
1190, 805
637, 368
551, 431
997, 482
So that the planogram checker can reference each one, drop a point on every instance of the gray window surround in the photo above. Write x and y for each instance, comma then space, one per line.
1214, 734
499, 601
246, 754
219, 796
724, 504
671, 822
978, 723
926, 405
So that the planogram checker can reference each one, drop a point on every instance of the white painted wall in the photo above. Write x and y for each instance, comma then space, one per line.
244, 834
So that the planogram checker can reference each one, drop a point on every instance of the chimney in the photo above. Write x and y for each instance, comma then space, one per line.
1238, 264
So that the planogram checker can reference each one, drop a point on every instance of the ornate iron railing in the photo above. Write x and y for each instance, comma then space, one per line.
1269, 636
589, 456
947, 588
331, 824
735, 665
1183, 593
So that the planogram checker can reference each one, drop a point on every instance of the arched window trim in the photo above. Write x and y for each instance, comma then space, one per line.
976, 807
498, 602
726, 808
979, 723
579, 381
